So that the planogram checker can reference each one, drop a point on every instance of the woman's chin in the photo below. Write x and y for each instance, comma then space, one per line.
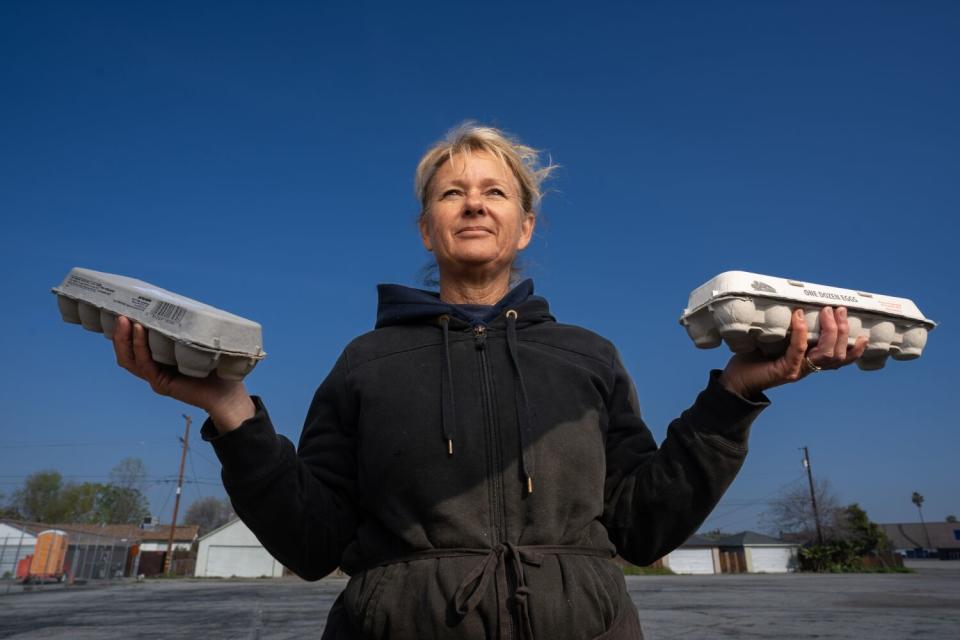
476, 263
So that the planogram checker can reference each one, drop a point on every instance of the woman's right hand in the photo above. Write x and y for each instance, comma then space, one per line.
226, 401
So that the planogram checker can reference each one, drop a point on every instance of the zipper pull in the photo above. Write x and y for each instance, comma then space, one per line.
479, 336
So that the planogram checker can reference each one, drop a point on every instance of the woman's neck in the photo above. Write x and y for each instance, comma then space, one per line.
483, 291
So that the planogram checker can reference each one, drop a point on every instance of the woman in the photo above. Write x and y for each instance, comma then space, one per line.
472, 463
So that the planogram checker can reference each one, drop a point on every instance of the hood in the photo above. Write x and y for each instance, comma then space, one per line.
398, 305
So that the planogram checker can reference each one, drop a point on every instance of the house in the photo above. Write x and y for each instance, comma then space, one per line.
925, 540
16, 542
233, 550
744, 552
753, 552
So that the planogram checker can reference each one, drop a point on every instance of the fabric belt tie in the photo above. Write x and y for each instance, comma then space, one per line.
492, 569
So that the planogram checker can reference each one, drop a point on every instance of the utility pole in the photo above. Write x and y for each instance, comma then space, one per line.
813, 497
168, 560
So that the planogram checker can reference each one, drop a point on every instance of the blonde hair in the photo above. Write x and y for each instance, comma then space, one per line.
523, 161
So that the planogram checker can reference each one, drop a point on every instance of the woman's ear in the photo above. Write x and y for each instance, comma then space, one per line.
424, 225
526, 230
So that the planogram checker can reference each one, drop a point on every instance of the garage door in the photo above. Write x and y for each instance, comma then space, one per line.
774, 560
243, 562
698, 561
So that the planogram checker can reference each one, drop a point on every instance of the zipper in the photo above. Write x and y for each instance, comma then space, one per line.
492, 433
495, 449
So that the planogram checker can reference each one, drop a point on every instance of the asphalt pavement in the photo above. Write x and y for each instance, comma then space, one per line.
925, 604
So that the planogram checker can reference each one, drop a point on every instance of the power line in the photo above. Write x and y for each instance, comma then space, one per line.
193, 471
113, 443
763, 500
164, 507
203, 457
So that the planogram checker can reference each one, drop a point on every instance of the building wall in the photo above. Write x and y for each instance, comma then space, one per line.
691, 561
233, 550
771, 559
14, 544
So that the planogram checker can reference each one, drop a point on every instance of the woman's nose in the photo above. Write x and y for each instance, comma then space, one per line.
473, 203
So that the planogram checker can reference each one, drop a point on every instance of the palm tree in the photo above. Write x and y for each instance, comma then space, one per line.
917, 499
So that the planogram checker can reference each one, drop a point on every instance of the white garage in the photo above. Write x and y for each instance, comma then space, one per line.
762, 554
771, 559
233, 550
695, 556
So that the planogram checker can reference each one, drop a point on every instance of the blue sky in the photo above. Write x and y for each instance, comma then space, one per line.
260, 158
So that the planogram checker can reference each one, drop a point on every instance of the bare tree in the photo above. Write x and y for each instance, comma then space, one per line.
129, 473
122, 500
792, 512
209, 513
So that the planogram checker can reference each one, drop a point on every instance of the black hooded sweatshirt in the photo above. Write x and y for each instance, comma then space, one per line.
475, 470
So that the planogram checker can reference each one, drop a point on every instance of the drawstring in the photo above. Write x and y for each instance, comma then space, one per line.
448, 417
492, 569
476, 583
523, 406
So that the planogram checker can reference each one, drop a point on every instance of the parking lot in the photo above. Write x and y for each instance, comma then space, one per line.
925, 604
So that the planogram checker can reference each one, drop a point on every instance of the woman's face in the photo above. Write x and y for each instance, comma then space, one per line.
474, 219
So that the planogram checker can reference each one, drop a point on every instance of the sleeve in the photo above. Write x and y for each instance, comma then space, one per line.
655, 498
300, 504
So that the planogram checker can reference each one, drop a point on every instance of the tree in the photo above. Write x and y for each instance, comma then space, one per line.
46, 498
122, 500
951, 518
867, 537
120, 505
8, 509
209, 513
40, 497
80, 501
792, 512
855, 538
129, 473
917, 499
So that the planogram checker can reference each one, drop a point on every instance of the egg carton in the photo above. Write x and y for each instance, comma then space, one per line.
194, 337
750, 311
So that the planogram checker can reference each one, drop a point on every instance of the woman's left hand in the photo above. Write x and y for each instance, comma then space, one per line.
749, 374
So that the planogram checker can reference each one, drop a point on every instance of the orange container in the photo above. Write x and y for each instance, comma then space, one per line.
48, 555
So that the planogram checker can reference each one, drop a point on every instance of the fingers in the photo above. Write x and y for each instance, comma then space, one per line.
825, 347
843, 334
133, 353
123, 345
146, 367
832, 351
792, 359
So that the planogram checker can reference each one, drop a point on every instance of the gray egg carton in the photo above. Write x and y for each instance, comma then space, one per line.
750, 311
194, 337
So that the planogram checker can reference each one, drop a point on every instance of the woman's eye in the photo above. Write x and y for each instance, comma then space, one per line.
497, 192
450, 193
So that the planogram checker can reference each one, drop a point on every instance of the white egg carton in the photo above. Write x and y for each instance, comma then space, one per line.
750, 311
194, 337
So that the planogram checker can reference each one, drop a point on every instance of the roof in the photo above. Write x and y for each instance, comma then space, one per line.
101, 533
752, 539
225, 525
697, 540
913, 535
12, 533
